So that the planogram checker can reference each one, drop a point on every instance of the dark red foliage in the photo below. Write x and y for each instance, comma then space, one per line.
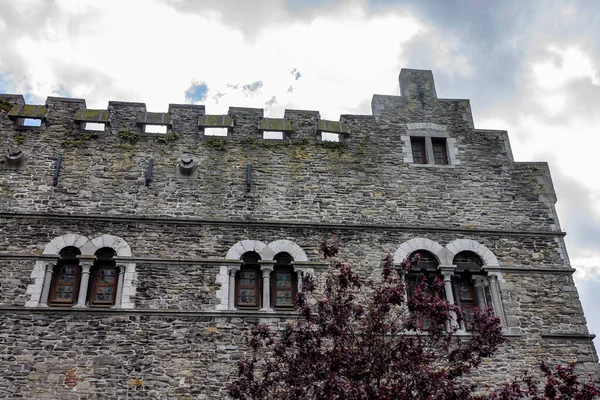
355, 344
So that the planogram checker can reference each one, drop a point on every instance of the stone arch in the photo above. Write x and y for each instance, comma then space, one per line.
85, 246
42, 278
287, 246
458, 245
237, 250
419, 243
114, 242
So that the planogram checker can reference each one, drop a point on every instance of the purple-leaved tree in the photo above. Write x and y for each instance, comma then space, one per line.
357, 343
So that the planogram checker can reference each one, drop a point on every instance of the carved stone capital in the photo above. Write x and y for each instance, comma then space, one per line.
266, 272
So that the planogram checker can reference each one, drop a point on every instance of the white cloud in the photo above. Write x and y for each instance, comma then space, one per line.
152, 57
563, 65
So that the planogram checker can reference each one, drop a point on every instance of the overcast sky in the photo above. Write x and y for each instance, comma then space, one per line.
530, 67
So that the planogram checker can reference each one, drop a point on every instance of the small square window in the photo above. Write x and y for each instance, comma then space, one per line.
215, 132
418, 150
330, 137
31, 122
155, 128
94, 126
273, 135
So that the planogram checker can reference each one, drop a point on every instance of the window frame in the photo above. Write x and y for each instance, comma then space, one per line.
104, 261
250, 260
430, 270
52, 301
96, 284
284, 265
68, 257
419, 141
468, 266
441, 142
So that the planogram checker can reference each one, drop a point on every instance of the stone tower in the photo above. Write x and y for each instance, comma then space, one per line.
137, 247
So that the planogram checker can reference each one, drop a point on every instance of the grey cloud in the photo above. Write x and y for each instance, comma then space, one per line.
271, 102
217, 97
590, 298
251, 17
497, 39
576, 211
252, 88
33, 22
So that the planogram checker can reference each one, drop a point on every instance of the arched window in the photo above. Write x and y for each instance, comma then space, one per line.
104, 277
283, 282
248, 282
427, 262
427, 266
469, 285
65, 281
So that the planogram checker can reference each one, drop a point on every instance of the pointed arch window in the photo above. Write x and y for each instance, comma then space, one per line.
248, 282
104, 279
65, 280
284, 282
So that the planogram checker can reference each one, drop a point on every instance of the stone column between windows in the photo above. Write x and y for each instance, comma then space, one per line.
266, 269
266, 288
118, 298
478, 286
299, 276
48, 272
447, 272
429, 150
84, 283
496, 298
232, 271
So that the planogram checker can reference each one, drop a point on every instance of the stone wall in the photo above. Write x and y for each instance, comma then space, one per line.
175, 341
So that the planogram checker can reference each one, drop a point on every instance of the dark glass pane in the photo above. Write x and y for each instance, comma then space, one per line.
250, 258
284, 298
284, 259
284, 280
427, 260
69, 253
247, 297
106, 276
467, 260
465, 291
104, 293
418, 150
105, 253
440, 154
468, 315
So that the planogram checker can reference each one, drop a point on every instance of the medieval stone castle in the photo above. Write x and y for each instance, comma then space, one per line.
138, 248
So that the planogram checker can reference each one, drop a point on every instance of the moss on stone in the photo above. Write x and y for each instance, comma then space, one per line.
168, 138
128, 136
216, 143
333, 145
5, 106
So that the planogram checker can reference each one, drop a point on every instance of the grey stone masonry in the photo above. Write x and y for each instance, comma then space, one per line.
180, 210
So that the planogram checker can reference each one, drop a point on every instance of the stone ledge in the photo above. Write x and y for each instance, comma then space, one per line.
176, 313
536, 270
568, 335
270, 224
441, 166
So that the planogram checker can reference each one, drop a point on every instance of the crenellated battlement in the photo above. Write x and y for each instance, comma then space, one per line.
418, 103
413, 150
